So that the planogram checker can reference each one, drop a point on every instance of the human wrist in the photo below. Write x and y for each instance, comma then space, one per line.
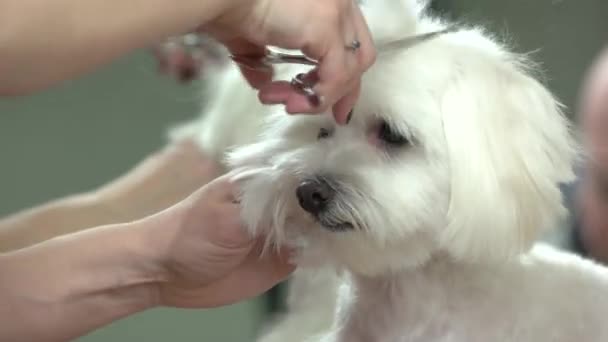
153, 238
54, 218
105, 270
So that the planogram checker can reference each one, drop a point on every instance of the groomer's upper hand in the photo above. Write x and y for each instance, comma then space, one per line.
330, 31
58, 41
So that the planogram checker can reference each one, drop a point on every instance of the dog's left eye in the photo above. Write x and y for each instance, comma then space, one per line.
324, 133
388, 135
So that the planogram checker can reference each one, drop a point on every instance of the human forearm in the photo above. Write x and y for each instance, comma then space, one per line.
68, 286
45, 42
159, 181
195, 254
54, 218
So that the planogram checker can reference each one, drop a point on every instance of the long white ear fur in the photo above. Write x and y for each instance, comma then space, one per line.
509, 150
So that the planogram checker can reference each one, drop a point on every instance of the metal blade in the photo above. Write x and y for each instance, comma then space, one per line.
408, 42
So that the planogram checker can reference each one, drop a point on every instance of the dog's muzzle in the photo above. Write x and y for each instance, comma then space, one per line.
317, 196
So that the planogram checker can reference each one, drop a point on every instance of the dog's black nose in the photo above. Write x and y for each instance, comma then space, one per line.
314, 195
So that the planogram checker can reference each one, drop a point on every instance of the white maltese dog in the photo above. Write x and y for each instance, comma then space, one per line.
418, 220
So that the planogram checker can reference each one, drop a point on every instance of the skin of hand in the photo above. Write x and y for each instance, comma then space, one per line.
156, 183
195, 254
213, 260
322, 30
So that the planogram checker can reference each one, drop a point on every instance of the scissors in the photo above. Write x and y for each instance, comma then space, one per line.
266, 61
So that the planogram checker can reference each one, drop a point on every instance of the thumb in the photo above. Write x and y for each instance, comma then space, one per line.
216, 206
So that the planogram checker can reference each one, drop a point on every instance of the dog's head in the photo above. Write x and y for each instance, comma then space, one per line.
453, 149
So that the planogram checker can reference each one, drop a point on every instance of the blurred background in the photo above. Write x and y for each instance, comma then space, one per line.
78, 136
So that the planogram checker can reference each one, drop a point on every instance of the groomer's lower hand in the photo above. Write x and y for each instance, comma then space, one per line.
195, 254
333, 32
207, 257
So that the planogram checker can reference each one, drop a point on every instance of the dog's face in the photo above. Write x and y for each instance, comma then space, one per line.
452, 149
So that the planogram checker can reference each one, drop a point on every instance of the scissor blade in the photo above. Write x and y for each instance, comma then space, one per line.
265, 62
252, 63
275, 57
408, 42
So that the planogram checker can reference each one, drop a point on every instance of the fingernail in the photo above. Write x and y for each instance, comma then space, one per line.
350, 116
315, 99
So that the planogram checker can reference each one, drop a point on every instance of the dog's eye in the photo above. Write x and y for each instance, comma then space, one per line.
390, 136
324, 133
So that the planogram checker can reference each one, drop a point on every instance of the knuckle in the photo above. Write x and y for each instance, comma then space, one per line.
331, 13
304, 38
334, 88
345, 77
314, 43
369, 58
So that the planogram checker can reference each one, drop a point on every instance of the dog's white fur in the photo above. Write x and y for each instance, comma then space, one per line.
444, 227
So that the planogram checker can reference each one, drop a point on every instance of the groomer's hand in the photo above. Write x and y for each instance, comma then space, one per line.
323, 29
195, 254
207, 256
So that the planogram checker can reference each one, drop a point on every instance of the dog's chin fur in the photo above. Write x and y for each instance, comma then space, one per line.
434, 226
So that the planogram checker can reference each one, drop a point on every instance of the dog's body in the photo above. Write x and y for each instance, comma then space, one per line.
416, 221
526, 300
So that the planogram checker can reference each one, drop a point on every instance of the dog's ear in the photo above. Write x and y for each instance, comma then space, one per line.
509, 147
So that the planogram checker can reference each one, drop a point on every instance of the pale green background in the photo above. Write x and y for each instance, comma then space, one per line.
82, 134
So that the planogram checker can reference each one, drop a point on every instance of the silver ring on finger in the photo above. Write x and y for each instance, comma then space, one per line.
354, 45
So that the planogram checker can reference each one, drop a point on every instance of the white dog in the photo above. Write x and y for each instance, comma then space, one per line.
417, 221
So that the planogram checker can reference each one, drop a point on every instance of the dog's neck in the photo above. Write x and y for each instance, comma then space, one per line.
381, 305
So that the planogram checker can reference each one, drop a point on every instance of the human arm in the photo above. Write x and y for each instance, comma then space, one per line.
44, 43
159, 181
194, 254
67, 286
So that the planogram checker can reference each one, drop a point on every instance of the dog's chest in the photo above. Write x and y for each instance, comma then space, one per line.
454, 305
382, 325
423, 317
389, 312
